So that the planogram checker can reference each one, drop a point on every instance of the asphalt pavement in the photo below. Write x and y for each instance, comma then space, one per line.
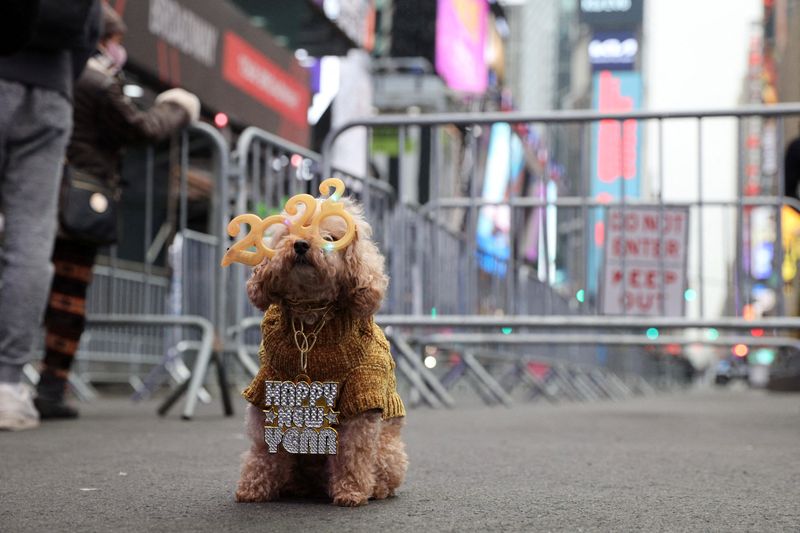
694, 461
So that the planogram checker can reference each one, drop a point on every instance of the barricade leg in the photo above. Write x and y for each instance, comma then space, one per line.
193, 385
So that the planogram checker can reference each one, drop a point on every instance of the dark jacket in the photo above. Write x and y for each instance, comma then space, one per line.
17, 18
792, 169
105, 120
61, 38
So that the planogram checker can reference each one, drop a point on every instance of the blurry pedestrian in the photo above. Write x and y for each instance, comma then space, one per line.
48, 49
105, 121
792, 169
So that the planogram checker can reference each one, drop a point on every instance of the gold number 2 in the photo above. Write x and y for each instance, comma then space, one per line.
306, 227
239, 251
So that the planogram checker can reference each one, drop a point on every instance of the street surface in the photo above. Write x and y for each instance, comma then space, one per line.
696, 461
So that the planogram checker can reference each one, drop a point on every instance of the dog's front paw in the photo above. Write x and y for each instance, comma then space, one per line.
251, 496
255, 492
382, 492
350, 500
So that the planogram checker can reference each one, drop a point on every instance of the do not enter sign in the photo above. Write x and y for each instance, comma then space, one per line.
644, 263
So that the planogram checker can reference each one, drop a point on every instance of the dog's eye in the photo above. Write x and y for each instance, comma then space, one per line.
329, 238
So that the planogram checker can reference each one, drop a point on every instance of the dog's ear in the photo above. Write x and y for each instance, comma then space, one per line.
365, 280
256, 287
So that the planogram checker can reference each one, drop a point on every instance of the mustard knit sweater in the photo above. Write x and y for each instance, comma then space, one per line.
352, 352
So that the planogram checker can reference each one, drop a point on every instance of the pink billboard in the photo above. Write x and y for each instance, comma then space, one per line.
460, 43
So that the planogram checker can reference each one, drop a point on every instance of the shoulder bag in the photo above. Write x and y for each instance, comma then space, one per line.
88, 208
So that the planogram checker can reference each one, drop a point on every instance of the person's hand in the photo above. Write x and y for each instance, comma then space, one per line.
183, 98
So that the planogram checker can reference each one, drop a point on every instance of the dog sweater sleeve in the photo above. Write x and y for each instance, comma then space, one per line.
254, 393
372, 385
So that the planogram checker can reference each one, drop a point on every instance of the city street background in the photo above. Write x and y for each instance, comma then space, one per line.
588, 211
703, 460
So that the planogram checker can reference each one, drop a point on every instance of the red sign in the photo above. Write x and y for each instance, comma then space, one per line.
212, 50
645, 261
247, 69
609, 152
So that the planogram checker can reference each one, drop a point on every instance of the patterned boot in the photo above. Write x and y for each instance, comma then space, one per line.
50, 398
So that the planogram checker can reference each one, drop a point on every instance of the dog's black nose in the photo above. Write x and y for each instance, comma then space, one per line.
301, 247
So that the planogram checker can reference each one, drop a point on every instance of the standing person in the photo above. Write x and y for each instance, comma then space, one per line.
105, 121
791, 168
17, 18
36, 81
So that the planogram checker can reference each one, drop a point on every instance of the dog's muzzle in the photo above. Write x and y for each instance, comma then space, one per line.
301, 247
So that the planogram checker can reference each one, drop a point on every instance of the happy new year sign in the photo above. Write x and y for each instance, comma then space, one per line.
644, 266
299, 415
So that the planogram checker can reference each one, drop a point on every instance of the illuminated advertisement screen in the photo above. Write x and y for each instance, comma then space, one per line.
791, 244
212, 50
460, 44
356, 19
504, 163
612, 14
613, 50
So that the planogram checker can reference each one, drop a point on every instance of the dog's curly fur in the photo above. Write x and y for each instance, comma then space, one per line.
371, 461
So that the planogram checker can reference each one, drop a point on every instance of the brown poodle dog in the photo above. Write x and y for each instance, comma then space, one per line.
334, 294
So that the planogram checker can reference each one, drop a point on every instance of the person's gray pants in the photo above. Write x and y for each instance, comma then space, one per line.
35, 125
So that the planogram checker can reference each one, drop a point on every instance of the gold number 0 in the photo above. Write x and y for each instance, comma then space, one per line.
239, 252
332, 208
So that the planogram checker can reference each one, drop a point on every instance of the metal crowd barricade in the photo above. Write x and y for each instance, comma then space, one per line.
495, 314
268, 170
503, 326
154, 302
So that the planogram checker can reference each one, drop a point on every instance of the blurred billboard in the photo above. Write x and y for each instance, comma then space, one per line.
613, 50
504, 164
355, 18
212, 49
611, 14
461, 29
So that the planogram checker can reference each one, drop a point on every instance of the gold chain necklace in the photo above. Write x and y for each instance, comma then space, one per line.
299, 414
306, 306
305, 341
